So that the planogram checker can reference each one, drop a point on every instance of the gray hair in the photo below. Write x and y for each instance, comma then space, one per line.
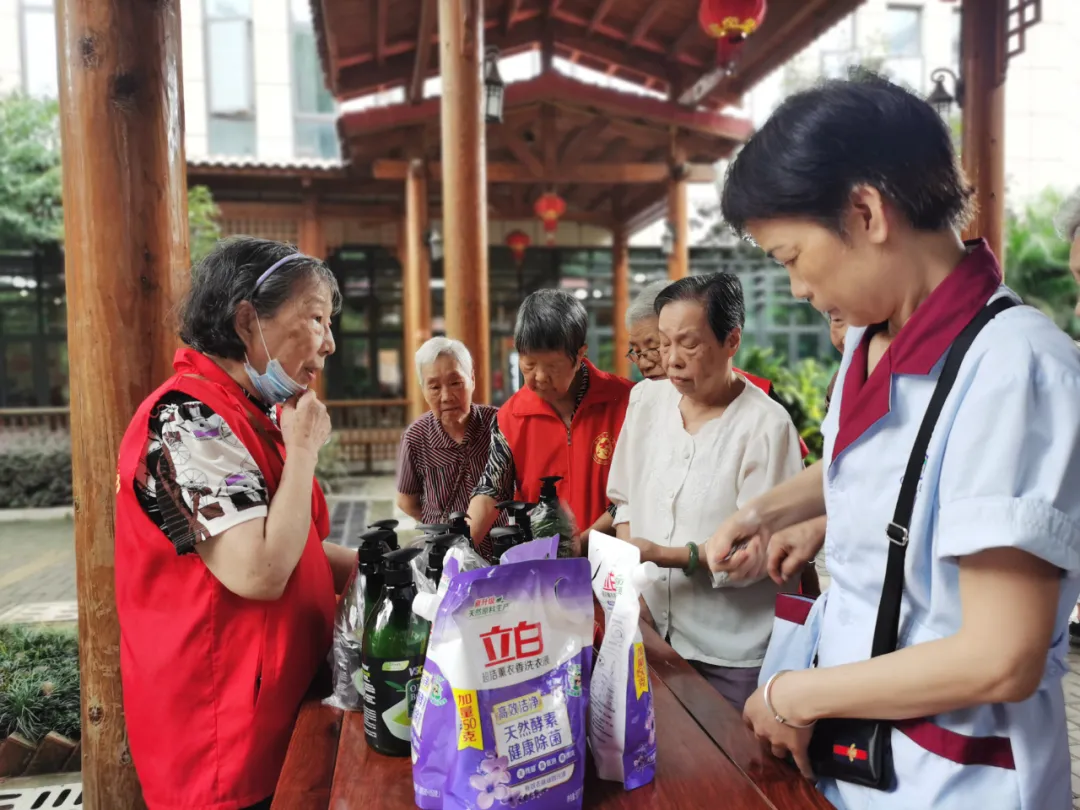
1067, 220
438, 347
644, 304
551, 321
230, 274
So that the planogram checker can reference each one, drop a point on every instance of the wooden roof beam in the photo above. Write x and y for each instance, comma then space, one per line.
512, 8
524, 153
626, 173
576, 144
380, 11
599, 15
645, 210
645, 24
425, 37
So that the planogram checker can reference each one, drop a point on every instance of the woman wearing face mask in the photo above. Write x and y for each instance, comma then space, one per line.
929, 673
692, 451
224, 586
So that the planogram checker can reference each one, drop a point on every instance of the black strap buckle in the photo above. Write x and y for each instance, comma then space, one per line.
897, 534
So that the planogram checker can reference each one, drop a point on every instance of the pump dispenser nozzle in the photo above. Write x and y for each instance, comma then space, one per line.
505, 538
548, 492
459, 525
397, 571
438, 544
389, 526
519, 516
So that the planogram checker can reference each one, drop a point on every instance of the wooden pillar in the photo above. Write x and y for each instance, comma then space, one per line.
679, 221
620, 298
984, 68
126, 246
416, 280
678, 213
312, 241
464, 188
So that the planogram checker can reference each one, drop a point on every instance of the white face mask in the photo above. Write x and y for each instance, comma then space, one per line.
274, 386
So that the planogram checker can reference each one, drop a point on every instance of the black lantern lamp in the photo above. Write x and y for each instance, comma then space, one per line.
667, 241
435, 245
940, 98
494, 87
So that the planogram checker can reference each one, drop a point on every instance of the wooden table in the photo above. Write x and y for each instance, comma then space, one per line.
705, 757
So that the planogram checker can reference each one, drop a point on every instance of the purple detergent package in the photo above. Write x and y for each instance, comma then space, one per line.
501, 715
546, 548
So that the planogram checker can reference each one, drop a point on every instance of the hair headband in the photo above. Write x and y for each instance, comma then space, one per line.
270, 270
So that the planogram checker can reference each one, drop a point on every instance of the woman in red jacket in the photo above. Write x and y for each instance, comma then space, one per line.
224, 587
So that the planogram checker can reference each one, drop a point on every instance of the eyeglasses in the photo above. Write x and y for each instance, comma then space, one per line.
648, 354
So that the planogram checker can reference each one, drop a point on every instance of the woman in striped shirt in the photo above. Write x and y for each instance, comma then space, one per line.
443, 453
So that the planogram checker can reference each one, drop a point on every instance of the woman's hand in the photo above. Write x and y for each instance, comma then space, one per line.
791, 549
739, 547
305, 424
781, 740
649, 550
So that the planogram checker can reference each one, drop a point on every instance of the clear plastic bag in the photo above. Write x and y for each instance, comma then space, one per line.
347, 647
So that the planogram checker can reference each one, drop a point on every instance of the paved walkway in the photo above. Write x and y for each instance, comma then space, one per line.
37, 581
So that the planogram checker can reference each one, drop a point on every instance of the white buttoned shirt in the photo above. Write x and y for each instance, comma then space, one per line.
675, 488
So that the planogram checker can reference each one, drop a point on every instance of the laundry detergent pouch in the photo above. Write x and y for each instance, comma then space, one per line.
622, 721
546, 548
500, 718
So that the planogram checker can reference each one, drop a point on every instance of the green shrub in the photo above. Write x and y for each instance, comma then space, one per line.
800, 387
331, 467
35, 470
39, 683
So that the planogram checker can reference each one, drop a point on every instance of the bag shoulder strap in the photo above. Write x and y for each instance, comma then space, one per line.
888, 618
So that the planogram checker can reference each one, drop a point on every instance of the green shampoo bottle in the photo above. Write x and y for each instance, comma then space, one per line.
395, 642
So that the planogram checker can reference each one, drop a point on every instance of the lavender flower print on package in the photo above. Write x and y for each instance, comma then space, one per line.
500, 718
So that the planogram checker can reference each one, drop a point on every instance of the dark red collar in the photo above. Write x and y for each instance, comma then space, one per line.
919, 345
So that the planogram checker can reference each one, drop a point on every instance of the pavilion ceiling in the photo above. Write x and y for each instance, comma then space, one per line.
607, 153
372, 45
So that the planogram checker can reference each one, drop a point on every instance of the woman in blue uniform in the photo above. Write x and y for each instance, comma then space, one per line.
855, 189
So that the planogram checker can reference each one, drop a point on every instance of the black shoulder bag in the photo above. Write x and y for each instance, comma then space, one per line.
856, 750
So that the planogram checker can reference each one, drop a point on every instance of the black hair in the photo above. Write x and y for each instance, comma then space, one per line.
822, 143
720, 293
227, 276
549, 321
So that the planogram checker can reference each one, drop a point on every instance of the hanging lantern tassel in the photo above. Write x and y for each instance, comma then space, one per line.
730, 22
518, 242
550, 208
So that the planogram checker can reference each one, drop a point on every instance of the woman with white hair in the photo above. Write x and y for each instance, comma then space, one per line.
444, 452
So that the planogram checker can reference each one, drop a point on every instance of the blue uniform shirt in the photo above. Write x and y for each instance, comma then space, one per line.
1002, 470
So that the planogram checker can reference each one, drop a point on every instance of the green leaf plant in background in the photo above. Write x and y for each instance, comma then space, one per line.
1037, 261
801, 388
31, 187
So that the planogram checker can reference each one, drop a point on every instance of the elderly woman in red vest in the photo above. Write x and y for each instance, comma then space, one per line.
564, 421
224, 587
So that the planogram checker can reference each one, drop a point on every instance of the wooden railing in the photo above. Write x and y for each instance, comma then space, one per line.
368, 430
34, 419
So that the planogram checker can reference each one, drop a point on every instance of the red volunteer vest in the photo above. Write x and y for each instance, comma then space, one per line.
212, 681
538, 441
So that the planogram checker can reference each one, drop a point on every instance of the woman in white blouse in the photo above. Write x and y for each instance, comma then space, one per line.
691, 452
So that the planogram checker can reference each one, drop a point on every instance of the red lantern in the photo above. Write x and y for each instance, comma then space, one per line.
550, 207
730, 22
518, 242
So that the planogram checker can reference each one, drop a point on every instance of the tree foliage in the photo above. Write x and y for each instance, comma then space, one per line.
31, 191
1037, 261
